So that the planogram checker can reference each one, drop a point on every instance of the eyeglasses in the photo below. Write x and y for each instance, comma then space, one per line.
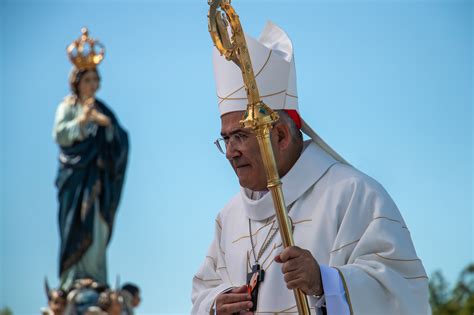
238, 139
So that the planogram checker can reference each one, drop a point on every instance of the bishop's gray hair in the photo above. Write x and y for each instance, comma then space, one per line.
294, 130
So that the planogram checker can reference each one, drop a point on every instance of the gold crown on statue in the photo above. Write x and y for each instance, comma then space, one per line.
85, 52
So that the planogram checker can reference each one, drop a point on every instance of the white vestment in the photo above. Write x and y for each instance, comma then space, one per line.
348, 222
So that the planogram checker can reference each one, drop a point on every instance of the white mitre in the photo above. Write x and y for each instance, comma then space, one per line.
274, 68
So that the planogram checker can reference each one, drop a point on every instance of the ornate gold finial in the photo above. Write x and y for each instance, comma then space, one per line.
85, 52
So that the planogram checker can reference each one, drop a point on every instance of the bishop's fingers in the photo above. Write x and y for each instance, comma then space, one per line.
233, 308
288, 253
235, 301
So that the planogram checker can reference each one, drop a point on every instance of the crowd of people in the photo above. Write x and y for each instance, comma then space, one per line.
88, 297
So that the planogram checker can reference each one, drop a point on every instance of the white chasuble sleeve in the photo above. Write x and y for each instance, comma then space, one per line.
374, 253
211, 278
334, 292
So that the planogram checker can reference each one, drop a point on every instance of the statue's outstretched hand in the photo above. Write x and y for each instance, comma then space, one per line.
87, 109
100, 118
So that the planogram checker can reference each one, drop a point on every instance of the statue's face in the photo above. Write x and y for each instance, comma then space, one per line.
57, 303
88, 85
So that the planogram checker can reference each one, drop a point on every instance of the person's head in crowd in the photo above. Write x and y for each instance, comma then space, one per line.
134, 291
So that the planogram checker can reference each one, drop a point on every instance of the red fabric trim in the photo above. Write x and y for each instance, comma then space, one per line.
295, 116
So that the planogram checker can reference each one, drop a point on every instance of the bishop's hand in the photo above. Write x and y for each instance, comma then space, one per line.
234, 301
300, 270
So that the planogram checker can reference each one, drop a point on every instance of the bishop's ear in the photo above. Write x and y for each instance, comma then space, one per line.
283, 135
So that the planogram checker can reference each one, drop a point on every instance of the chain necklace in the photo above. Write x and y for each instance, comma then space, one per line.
268, 239
257, 274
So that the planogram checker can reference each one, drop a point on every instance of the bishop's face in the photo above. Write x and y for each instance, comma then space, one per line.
243, 152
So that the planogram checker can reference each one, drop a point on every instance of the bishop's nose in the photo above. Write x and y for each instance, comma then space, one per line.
231, 151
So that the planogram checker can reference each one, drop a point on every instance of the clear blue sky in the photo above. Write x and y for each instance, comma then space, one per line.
387, 83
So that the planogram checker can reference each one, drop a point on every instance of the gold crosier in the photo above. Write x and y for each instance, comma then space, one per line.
258, 116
